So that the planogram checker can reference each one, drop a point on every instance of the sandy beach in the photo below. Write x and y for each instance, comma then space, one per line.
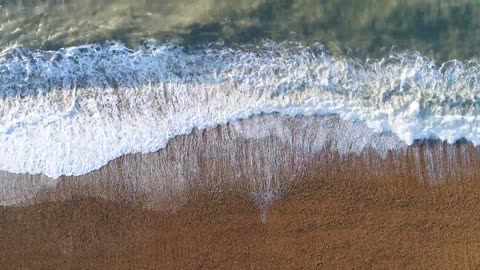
320, 224
246, 134
341, 212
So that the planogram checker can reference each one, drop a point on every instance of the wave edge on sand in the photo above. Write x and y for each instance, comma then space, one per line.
71, 111
262, 156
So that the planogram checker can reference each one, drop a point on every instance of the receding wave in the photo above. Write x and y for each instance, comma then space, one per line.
71, 111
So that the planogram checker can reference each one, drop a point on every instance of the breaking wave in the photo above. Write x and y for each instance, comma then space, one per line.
71, 111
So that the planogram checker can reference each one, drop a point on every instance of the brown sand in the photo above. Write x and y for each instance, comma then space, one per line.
416, 208
339, 221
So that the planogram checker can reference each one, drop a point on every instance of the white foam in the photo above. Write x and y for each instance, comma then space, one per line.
71, 111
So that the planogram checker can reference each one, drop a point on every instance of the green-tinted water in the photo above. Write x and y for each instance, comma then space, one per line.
446, 29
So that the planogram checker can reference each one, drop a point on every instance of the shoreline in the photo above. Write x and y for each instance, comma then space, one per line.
262, 156
278, 199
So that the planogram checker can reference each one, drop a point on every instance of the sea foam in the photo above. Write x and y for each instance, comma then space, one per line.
71, 111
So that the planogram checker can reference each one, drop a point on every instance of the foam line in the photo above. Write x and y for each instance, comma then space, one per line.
71, 111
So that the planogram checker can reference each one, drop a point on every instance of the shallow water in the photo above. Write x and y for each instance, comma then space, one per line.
439, 28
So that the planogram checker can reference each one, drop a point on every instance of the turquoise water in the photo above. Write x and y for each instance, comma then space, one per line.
366, 28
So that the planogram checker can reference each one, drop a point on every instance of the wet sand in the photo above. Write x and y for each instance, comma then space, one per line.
339, 221
240, 202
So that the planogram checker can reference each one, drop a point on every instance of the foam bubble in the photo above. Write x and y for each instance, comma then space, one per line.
71, 111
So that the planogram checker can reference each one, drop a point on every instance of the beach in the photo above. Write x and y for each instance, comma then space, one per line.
248, 134
359, 211
321, 223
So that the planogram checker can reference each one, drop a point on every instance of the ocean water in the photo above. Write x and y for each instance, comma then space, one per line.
442, 29
85, 82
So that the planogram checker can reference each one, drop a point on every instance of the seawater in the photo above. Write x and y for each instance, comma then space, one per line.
70, 111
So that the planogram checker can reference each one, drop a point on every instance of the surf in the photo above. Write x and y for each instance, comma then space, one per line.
71, 111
